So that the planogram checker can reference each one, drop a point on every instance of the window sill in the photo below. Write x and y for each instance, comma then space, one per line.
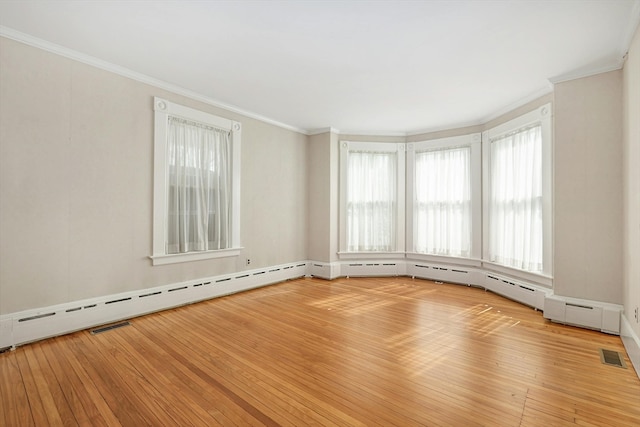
370, 255
542, 279
469, 262
194, 256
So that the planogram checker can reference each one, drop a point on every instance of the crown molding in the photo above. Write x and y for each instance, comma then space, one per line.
523, 101
372, 133
587, 72
133, 75
323, 130
459, 125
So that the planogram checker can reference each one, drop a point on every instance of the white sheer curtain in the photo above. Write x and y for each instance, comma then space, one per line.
515, 211
199, 187
442, 205
371, 198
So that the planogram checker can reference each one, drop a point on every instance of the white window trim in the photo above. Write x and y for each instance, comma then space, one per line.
540, 279
468, 262
371, 255
543, 116
162, 110
399, 148
474, 142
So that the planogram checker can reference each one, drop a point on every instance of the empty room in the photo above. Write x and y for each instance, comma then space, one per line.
332, 213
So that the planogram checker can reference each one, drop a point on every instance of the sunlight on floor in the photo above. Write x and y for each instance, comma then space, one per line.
484, 319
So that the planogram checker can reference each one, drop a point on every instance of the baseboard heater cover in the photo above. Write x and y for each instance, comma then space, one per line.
370, 269
601, 316
33, 325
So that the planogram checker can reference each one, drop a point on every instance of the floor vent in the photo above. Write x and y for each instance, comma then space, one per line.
613, 358
109, 328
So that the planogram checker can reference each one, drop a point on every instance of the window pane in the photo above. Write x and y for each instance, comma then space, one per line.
199, 187
442, 205
371, 199
516, 200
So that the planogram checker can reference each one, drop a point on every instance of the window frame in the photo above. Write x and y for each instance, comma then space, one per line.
543, 116
473, 141
399, 149
163, 109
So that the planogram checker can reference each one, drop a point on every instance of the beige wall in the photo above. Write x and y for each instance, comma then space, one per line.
335, 195
319, 197
76, 167
323, 197
631, 171
588, 188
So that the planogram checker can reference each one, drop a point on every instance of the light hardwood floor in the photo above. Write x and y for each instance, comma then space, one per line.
348, 352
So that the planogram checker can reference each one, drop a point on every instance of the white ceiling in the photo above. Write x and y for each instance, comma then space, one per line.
369, 67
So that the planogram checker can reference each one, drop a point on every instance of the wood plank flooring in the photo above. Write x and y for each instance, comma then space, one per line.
348, 352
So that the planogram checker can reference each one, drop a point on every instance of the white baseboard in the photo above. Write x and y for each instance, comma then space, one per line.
526, 293
36, 324
597, 315
377, 268
631, 343
324, 270
32, 325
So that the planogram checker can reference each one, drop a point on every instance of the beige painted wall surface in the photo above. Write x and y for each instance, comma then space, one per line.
323, 197
334, 196
588, 188
76, 188
274, 194
35, 110
319, 196
631, 170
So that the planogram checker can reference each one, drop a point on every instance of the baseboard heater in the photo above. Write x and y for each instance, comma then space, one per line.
596, 315
369, 269
524, 293
32, 325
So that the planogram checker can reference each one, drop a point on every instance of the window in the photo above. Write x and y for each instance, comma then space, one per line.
519, 193
372, 197
196, 185
198, 207
444, 186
